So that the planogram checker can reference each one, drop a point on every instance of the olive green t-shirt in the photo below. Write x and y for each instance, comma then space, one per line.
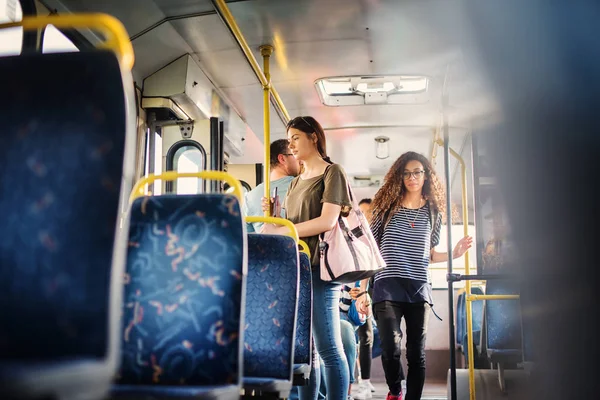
305, 200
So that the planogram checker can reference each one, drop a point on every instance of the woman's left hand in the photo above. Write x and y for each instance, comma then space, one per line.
462, 246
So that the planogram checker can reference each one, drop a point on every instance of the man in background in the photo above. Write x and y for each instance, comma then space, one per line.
284, 168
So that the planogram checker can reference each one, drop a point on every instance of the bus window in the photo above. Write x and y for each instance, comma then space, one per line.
56, 42
11, 40
188, 158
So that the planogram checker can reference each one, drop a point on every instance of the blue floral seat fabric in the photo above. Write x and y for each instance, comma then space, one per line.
183, 301
503, 319
302, 348
271, 312
65, 122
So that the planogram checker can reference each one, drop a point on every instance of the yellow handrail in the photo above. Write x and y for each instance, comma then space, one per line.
116, 37
138, 189
266, 52
237, 33
279, 221
474, 297
304, 248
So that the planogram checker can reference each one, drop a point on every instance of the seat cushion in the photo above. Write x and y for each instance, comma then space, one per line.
505, 356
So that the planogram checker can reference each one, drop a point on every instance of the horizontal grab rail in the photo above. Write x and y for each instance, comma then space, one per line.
474, 297
116, 37
304, 248
278, 221
138, 189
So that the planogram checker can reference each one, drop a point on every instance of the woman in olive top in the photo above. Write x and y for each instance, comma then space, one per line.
314, 202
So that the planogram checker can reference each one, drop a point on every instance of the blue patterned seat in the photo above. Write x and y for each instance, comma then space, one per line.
503, 324
271, 311
66, 120
183, 306
303, 347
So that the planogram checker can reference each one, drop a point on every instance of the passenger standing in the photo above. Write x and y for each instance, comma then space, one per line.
314, 202
406, 224
284, 168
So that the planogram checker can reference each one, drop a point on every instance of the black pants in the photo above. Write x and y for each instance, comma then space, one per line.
388, 315
365, 336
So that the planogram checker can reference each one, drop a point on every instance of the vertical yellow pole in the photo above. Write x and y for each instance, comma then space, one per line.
266, 51
468, 303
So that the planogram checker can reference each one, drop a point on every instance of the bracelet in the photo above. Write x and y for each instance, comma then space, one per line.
360, 294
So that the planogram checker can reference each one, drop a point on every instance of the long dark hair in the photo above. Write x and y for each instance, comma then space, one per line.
311, 126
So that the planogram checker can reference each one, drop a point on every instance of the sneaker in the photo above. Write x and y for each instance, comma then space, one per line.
390, 396
361, 392
369, 386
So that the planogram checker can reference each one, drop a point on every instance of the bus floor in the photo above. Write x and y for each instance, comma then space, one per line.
432, 390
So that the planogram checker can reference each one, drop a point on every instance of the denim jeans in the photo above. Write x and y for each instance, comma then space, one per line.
328, 341
348, 331
388, 315
330, 349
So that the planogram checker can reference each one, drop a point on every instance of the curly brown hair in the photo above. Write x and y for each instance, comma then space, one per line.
391, 194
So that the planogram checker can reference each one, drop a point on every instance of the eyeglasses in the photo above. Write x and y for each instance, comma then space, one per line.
416, 174
286, 154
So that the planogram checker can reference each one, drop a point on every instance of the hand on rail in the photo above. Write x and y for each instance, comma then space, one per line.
273, 229
269, 205
462, 246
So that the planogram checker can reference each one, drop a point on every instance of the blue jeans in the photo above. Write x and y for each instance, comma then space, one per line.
348, 331
328, 340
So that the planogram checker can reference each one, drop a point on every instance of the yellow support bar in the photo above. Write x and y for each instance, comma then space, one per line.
469, 305
304, 248
237, 33
475, 297
278, 221
116, 37
266, 52
138, 189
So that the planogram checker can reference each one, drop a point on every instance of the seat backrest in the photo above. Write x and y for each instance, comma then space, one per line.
477, 310
271, 306
503, 317
64, 133
302, 350
184, 285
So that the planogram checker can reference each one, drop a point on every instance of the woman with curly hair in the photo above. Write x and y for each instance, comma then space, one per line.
407, 218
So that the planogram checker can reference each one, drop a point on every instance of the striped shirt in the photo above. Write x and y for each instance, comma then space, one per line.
345, 298
406, 250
